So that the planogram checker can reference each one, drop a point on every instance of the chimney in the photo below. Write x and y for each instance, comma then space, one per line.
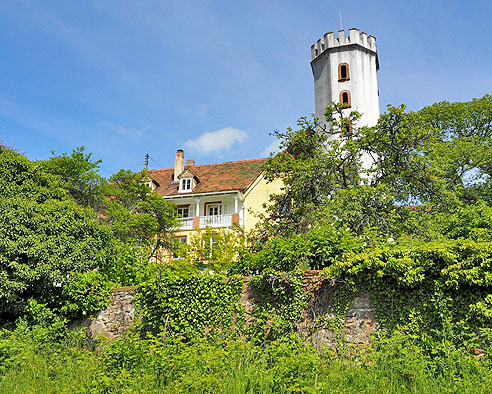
178, 164
190, 162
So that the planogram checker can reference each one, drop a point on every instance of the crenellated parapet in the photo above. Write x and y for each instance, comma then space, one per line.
355, 37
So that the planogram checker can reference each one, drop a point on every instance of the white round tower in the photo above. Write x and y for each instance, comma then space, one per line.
345, 71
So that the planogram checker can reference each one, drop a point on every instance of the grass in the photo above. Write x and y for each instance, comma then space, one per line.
151, 365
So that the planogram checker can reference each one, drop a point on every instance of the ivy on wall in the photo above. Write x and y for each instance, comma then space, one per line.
281, 302
201, 304
428, 288
189, 305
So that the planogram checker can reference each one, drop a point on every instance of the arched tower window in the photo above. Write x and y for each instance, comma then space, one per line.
345, 98
347, 128
343, 72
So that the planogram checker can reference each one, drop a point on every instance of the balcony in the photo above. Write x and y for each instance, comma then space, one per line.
186, 223
215, 221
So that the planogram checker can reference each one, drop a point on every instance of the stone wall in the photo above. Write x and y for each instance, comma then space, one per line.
117, 318
358, 323
357, 326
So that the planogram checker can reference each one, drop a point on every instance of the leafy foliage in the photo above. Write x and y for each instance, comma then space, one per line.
282, 300
131, 265
45, 238
421, 284
79, 174
316, 249
438, 156
211, 250
137, 215
309, 172
463, 149
125, 202
191, 305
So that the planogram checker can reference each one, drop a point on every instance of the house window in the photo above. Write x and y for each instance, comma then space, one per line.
183, 211
209, 246
343, 72
179, 247
213, 245
345, 98
186, 185
214, 210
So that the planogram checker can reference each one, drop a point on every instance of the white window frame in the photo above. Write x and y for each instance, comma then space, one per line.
188, 213
218, 206
186, 185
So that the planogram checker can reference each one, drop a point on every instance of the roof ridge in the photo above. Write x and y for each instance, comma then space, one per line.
230, 162
211, 164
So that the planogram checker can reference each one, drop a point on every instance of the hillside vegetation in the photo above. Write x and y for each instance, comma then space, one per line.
401, 211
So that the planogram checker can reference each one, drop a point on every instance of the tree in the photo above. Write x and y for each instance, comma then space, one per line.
47, 241
398, 147
312, 166
437, 156
211, 249
136, 214
463, 151
125, 202
79, 174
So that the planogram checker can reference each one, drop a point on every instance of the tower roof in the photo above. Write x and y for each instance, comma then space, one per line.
355, 37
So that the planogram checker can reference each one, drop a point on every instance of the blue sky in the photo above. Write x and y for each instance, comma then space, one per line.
126, 78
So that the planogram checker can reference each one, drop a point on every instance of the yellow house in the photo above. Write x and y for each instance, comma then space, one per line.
214, 195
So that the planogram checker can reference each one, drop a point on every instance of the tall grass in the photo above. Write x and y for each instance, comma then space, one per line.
154, 365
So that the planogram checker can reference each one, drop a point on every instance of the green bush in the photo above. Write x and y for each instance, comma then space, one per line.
46, 240
317, 249
465, 221
425, 283
281, 300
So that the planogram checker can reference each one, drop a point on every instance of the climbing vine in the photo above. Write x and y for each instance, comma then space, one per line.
282, 301
427, 288
189, 305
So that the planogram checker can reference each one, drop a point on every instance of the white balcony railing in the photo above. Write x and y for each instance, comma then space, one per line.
211, 221
186, 223
216, 221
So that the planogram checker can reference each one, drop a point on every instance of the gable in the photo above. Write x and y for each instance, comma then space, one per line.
186, 174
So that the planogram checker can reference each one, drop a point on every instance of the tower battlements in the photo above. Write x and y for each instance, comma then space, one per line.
354, 38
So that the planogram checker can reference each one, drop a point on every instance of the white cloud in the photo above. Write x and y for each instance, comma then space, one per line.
216, 141
135, 132
272, 148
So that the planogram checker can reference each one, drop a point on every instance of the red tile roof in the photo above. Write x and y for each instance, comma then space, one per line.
232, 175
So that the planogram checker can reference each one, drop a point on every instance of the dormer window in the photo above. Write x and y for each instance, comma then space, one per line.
187, 181
186, 185
151, 183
